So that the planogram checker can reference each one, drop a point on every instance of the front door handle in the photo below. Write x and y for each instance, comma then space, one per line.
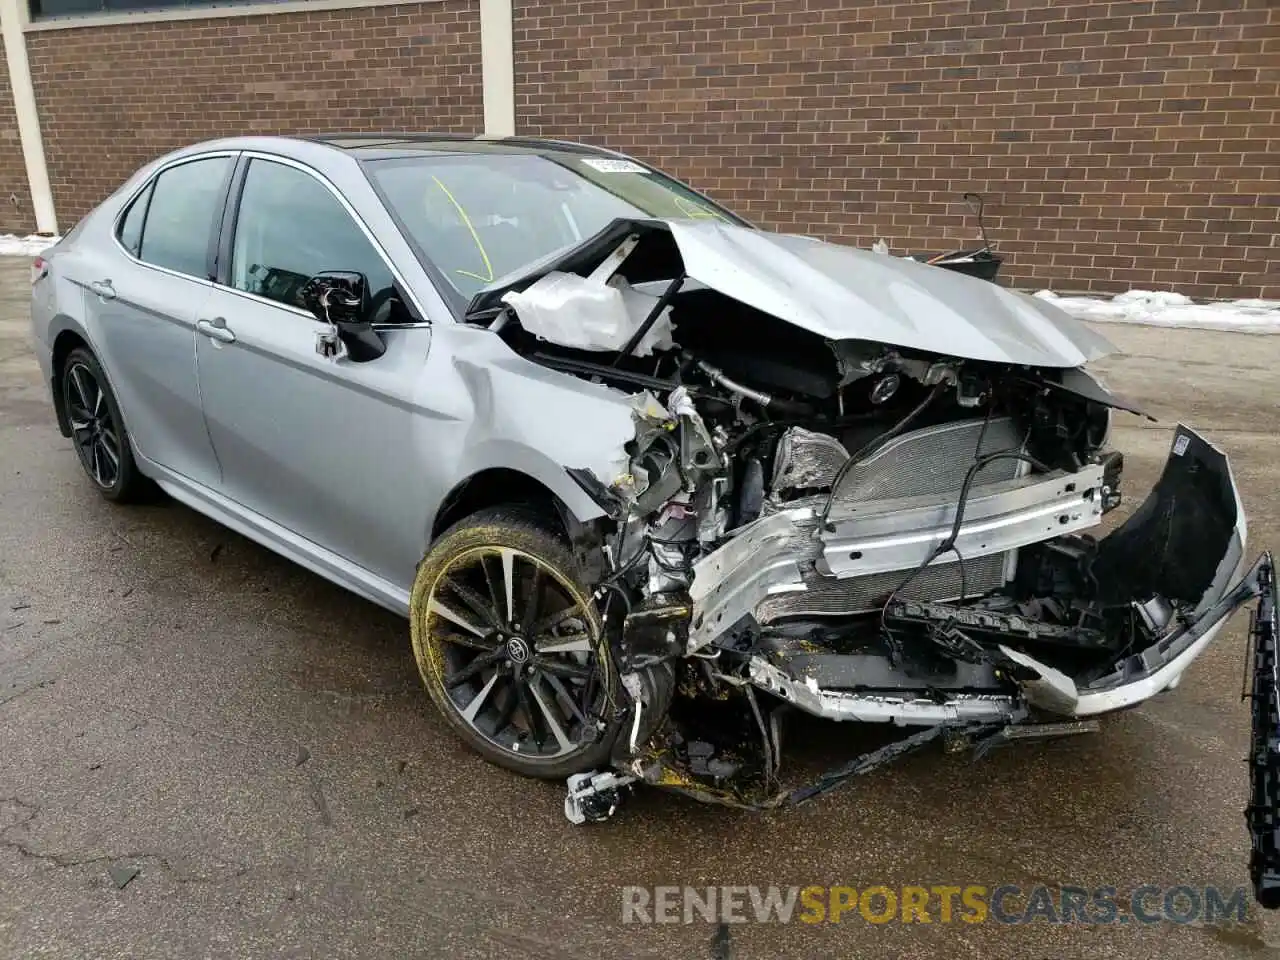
216, 329
104, 289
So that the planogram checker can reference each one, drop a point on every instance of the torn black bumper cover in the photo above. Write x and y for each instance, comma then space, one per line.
1263, 814
1183, 549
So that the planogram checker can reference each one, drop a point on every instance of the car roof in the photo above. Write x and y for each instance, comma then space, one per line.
382, 145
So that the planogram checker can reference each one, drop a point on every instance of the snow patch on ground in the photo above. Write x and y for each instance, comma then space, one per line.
15, 246
1164, 309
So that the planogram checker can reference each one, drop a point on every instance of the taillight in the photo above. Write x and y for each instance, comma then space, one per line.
39, 268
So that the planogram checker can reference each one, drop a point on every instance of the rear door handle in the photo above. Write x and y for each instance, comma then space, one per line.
216, 329
104, 289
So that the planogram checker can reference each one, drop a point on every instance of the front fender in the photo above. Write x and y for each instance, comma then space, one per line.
500, 453
510, 413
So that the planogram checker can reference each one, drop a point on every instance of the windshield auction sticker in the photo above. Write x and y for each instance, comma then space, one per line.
612, 165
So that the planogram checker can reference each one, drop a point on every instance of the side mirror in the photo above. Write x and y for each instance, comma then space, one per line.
340, 298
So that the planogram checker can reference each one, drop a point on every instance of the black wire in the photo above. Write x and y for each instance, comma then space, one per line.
624, 569
883, 438
615, 588
949, 544
977, 452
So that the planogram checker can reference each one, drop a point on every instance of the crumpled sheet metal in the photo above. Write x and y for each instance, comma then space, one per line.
807, 460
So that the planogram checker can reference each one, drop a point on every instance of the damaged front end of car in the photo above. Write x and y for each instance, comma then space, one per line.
861, 489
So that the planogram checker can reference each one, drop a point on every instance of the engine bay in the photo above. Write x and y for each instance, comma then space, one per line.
734, 429
860, 530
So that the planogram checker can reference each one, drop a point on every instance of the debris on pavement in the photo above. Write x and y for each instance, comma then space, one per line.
122, 876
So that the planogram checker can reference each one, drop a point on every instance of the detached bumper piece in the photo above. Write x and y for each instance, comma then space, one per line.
1263, 813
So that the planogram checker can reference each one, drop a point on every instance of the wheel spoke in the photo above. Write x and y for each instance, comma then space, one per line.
531, 601
495, 597
469, 712
97, 465
522, 698
553, 620
483, 644
578, 643
552, 723
79, 426
440, 610
564, 697
509, 581
104, 457
77, 383
563, 668
507, 708
111, 457
474, 668
97, 400
474, 602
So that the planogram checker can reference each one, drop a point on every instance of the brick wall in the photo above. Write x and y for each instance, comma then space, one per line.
1121, 143
16, 215
113, 97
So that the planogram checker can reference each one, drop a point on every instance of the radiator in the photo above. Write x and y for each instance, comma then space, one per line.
925, 464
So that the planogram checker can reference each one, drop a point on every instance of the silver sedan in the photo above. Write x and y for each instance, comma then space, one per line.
627, 463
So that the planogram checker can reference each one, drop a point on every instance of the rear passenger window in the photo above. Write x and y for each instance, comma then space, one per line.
185, 202
131, 226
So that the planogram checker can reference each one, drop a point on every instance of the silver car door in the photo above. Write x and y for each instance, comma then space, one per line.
143, 293
318, 445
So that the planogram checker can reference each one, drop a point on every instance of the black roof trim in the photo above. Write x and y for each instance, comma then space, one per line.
393, 139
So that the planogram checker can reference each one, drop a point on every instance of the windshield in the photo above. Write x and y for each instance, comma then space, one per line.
478, 217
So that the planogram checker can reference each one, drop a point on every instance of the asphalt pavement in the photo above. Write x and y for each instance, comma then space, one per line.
206, 751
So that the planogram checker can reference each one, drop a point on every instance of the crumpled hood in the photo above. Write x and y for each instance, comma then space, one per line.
842, 293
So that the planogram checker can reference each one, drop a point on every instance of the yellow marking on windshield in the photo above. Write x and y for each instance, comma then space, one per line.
474, 236
695, 211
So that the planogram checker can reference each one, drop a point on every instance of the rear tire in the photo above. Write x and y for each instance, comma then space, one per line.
98, 431
511, 647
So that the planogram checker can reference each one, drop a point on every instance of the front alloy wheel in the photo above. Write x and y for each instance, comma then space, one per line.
509, 645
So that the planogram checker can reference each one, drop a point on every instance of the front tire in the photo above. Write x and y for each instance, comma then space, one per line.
511, 647
97, 429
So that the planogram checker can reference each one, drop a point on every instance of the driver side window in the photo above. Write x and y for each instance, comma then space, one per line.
289, 228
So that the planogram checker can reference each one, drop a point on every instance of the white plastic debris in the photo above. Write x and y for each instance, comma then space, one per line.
880, 247
1167, 309
597, 312
646, 406
582, 312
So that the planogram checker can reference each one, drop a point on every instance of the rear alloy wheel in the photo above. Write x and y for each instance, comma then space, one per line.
510, 646
97, 428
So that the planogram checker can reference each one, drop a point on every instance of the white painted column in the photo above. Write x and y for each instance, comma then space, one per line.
497, 67
13, 17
